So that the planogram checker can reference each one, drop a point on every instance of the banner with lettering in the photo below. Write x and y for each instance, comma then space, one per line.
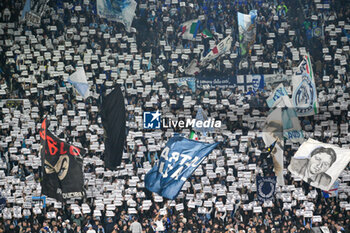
179, 159
62, 167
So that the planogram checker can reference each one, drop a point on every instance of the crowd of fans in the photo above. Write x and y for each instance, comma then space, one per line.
36, 61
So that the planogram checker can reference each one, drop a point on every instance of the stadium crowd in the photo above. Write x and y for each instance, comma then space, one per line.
35, 63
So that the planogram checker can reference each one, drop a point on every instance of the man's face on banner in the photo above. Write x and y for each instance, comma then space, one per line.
319, 163
61, 167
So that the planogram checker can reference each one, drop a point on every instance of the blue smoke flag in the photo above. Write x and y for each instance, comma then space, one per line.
333, 192
122, 11
202, 117
179, 159
265, 187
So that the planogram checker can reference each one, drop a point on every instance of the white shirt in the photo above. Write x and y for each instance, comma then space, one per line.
136, 227
160, 226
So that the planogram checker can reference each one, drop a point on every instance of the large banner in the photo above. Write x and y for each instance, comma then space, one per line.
246, 83
122, 11
216, 81
179, 159
247, 30
319, 164
250, 83
62, 167
304, 89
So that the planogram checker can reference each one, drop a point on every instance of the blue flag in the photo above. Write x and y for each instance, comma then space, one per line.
26, 9
179, 159
265, 187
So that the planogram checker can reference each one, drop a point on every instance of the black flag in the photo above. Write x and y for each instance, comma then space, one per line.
62, 167
113, 121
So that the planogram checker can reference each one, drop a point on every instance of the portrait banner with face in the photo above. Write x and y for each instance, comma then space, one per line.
319, 164
62, 164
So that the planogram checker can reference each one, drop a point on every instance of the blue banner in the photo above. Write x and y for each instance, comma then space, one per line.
246, 83
250, 83
214, 81
179, 159
265, 187
122, 11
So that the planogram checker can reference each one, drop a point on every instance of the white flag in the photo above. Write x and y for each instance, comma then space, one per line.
79, 81
192, 69
277, 96
272, 132
291, 125
218, 50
